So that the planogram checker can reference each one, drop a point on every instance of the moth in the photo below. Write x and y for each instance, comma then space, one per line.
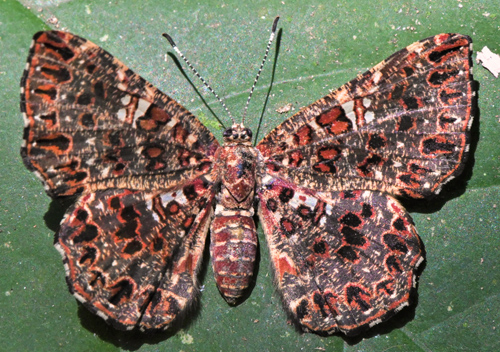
151, 182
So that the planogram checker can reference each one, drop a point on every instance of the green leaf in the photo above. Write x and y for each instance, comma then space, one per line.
322, 46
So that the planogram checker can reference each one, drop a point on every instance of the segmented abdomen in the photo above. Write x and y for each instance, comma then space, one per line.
233, 247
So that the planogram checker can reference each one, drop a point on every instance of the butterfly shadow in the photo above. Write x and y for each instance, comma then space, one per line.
127, 340
57, 208
133, 340
397, 322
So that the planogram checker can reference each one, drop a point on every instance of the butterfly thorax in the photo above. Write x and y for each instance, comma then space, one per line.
233, 242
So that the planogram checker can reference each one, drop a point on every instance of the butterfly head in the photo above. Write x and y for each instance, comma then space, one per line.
238, 134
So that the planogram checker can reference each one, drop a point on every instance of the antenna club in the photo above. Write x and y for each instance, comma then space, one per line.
170, 40
275, 24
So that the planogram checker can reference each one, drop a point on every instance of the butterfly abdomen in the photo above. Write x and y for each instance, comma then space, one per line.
233, 243
233, 248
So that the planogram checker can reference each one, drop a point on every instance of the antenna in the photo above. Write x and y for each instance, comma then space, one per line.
271, 38
174, 46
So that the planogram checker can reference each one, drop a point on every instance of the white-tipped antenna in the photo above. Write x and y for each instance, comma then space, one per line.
271, 38
174, 46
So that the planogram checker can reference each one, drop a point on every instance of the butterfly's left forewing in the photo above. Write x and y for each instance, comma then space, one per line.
91, 123
141, 167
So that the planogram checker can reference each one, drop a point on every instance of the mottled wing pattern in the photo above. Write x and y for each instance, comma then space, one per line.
344, 251
141, 164
342, 260
402, 127
132, 257
91, 123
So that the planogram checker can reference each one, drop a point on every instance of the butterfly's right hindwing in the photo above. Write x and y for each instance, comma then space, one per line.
342, 261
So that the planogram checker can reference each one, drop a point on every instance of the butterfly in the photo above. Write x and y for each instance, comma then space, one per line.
151, 181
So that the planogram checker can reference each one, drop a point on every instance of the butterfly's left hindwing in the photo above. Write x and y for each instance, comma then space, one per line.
132, 257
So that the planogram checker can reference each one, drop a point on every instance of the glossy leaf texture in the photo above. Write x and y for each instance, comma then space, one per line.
322, 46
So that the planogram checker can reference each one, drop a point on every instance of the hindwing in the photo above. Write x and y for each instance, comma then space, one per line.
342, 260
132, 257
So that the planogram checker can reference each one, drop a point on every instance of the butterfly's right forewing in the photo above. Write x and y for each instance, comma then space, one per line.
402, 127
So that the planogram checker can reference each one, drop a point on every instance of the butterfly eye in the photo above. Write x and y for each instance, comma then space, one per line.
248, 132
228, 133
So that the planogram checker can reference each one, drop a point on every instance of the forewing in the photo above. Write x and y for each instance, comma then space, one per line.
92, 124
132, 257
342, 260
402, 127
